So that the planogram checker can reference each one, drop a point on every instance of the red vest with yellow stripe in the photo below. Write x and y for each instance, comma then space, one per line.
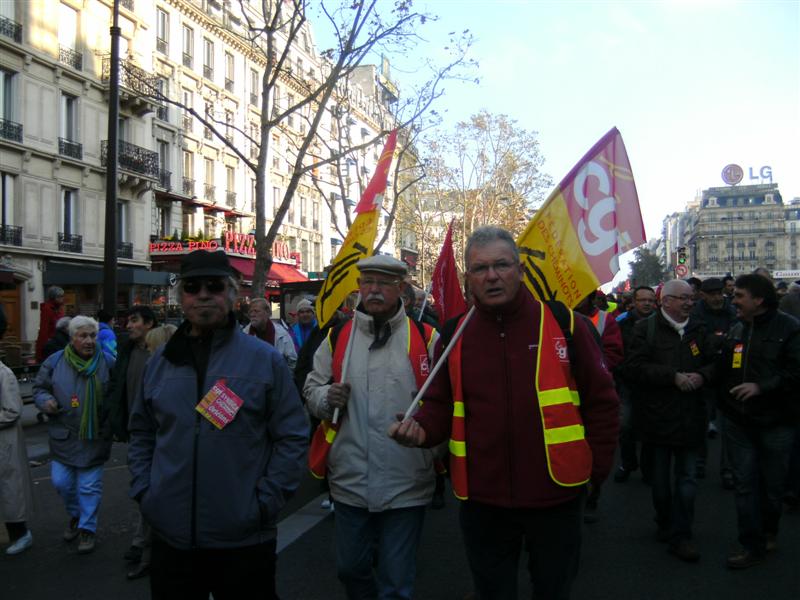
417, 344
569, 458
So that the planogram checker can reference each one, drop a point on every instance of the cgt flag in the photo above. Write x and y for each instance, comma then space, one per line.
343, 276
573, 243
445, 285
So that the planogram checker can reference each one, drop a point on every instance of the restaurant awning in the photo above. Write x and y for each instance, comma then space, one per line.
279, 272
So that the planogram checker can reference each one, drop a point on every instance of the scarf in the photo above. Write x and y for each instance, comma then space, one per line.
269, 332
679, 327
93, 391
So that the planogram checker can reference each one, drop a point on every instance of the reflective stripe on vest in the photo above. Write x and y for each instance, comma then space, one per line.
569, 459
599, 321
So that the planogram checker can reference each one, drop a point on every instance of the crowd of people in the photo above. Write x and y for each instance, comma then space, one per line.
222, 421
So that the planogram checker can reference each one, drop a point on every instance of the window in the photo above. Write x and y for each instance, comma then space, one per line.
68, 112
229, 74
122, 221
6, 202
209, 170
209, 116
163, 163
315, 215
164, 226
6, 95
67, 27
188, 102
162, 88
188, 174
303, 210
255, 87
230, 186
188, 46
208, 59
304, 253
317, 266
162, 31
276, 200
229, 125
69, 211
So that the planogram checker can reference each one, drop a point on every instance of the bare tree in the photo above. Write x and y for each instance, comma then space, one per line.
271, 28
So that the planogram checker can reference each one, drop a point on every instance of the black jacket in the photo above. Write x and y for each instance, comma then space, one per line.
769, 350
717, 321
662, 413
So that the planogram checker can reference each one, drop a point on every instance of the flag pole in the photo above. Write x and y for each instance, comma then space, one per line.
439, 364
424, 301
346, 361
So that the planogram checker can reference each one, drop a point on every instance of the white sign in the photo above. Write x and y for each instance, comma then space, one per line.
785, 274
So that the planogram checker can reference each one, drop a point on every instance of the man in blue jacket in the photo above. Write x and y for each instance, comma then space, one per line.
218, 444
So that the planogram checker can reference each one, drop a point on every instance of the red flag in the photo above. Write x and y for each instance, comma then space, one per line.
445, 285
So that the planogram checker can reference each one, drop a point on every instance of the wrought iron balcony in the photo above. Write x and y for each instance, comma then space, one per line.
125, 250
230, 199
187, 60
188, 186
70, 57
208, 72
11, 29
209, 192
69, 148
10, 130
137, 87
11, 235
133, 158
229, 84
161, 45
165, 179
68, 242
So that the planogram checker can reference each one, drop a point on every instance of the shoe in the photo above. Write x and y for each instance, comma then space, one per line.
72, 531
22, 544
139, 571
741, 558
772, 542
622, 475
86, 542
685, 550
700, 472
728, 483
438, 501
133, 554
327, 504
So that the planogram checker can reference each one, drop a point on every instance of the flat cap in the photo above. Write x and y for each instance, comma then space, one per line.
712, 284
305, 303
202, 263
383, 264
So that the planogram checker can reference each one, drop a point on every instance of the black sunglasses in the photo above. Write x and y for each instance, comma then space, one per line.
213, 286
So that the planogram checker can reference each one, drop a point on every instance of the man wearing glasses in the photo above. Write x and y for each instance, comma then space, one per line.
218, 444
531, 417
670, 361
370, 369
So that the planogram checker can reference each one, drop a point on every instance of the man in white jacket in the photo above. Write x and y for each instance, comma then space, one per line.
262, 326
380, 489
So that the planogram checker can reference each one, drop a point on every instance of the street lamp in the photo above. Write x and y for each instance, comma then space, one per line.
731, 220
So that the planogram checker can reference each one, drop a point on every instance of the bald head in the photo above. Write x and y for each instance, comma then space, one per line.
677, 299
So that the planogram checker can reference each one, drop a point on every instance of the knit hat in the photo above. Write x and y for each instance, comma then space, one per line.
304, 304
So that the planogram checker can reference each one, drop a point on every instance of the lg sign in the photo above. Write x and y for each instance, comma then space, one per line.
733, 174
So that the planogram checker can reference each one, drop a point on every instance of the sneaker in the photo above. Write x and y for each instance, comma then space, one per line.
22, 544
86, 543
685, 550
133, 554
72, 531
741, 558
622, 475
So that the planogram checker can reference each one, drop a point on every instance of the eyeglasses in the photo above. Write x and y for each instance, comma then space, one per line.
501, 267
213, 286
684, 298
381, 283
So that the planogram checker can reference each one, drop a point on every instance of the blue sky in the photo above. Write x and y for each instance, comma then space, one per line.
691, 85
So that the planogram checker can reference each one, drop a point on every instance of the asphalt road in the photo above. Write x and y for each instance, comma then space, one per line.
621, 559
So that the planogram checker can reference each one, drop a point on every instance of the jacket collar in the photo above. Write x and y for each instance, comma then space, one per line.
177, 350
509, 309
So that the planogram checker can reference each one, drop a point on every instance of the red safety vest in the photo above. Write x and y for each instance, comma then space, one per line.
569, 458
417, 348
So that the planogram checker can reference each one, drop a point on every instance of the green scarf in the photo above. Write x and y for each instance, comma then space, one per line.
93, 393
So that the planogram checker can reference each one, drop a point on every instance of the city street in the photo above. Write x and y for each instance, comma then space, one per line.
621, 558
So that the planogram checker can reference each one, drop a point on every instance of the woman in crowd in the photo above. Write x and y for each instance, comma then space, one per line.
69, 389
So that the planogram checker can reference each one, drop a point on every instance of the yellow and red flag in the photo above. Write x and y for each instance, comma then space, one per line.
573, 243
343, 276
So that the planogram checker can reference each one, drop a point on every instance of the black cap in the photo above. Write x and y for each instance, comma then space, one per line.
712, 284
202, 263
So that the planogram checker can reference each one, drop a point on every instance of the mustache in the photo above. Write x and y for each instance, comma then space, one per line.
375, 296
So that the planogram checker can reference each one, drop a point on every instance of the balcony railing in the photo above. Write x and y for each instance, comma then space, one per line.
68, 242
127, 4
70, 57
187, 123
165, 179
188, 60
10, 130
208, 72
209, 192
230, 199
11, 29
229, 84
131, 77
254, 99
188, 186
162, 112
11, 235
161, 45
133, 158
69, 148
125, 250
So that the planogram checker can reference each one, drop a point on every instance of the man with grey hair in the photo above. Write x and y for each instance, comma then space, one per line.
218, 440
532, 415
262, 326
671, 360
51, 311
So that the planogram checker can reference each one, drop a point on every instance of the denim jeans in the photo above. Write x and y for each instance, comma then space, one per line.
389, 537
494, 538
81, 490
674, 504
759, 459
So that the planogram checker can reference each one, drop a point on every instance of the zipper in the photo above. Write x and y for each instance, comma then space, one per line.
195, 451
508, 404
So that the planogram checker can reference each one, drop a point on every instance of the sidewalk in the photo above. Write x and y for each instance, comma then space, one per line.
35, 435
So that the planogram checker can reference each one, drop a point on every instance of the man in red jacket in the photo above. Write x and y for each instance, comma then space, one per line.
51, 311
522, 449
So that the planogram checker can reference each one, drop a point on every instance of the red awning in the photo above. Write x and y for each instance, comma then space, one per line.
278, 273
245, 266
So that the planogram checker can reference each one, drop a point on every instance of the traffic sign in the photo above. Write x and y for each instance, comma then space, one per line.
681, 271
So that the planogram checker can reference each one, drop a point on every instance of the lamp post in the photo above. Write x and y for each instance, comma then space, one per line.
731, 219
